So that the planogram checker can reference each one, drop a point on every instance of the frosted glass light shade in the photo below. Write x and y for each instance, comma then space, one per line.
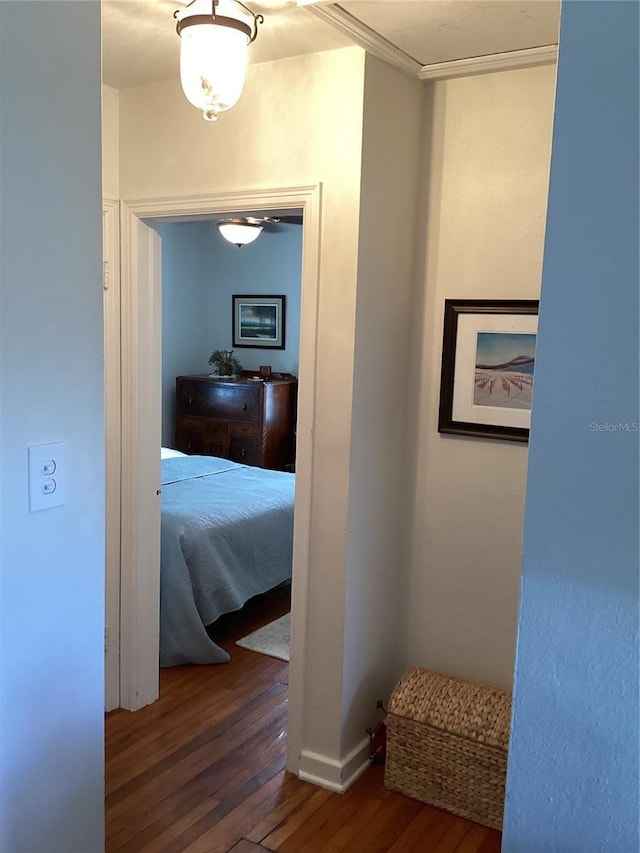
240, 232
213, 56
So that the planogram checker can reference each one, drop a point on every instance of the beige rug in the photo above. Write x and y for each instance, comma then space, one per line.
272, 639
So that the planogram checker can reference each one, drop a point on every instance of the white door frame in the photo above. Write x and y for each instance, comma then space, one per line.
141, 367
112, 387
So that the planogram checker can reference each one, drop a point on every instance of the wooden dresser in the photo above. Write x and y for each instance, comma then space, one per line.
248, 421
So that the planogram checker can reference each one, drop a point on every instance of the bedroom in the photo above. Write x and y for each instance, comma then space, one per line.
201, 273
73, 653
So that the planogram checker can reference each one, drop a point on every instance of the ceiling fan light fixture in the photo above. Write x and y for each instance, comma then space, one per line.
241, 230
214, 36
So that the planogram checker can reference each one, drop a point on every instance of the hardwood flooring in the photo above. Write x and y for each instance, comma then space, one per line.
203, 770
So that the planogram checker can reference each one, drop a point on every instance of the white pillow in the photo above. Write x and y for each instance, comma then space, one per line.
168, 453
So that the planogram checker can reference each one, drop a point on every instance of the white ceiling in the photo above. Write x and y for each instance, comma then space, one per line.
140, 44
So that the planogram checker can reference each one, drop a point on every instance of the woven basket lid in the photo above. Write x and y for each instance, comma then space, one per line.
473, 711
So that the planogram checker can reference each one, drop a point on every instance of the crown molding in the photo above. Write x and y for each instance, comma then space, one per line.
366, 38
510, 60
375, 44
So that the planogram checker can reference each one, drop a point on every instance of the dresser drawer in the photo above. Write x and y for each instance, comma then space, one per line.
194, 423
190, 440
244, 428
244, 450
216, 444
218, 400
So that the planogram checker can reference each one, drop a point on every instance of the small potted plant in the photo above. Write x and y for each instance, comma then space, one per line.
225, 363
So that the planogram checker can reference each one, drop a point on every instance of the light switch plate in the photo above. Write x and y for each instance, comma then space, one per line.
47, 476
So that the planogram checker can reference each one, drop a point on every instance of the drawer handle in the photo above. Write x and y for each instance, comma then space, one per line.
243, 453
190, 401
244, 407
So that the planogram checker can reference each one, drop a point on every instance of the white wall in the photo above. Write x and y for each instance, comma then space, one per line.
51, 381
110, 143
376, 571
487, 169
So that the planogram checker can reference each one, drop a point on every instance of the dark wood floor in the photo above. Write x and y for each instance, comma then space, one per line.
203, 770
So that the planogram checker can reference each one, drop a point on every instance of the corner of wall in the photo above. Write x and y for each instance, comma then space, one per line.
335, 775
110, 142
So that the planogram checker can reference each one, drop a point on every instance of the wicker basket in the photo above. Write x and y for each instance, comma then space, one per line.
447, 743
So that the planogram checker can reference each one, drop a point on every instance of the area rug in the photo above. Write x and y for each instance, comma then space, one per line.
271, 639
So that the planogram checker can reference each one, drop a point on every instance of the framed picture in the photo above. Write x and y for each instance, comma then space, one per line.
259, 321
488, 359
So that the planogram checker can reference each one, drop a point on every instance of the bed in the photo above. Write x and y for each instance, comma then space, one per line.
226, 536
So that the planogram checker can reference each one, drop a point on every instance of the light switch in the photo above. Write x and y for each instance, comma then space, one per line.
47, 475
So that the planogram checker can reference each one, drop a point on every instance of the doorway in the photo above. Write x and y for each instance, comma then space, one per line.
141, 365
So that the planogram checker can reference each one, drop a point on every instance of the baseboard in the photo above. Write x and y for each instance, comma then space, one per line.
331, 774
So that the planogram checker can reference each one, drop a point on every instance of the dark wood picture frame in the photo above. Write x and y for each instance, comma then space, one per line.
499, 318
258, 321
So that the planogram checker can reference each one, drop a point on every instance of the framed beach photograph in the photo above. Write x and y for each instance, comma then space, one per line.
488, 361
259, 321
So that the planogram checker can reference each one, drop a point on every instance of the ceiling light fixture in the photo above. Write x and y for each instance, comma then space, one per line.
241, 230
214, 36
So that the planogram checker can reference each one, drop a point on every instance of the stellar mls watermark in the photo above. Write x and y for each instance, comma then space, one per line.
619, 426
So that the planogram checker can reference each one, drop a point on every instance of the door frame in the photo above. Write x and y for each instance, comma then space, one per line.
112, 387
141, 370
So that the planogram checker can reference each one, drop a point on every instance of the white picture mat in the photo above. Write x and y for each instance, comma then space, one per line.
241, 303
463, 408
242, 319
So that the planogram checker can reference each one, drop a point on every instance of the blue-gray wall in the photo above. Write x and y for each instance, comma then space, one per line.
51, 390
271, 265
200, 274
573, 766
187, 282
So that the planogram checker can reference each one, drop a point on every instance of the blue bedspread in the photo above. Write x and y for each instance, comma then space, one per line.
227, 535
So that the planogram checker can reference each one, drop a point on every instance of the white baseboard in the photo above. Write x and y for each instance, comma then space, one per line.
331, 774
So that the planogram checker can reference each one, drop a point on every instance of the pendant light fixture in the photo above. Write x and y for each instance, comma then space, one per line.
240, 230
214, 37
